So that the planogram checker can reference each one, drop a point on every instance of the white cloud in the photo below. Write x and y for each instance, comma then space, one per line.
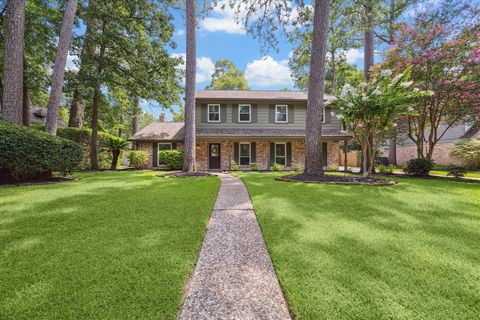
353, 55
179, 32
205, 67
222, 19
71, 66
268, 72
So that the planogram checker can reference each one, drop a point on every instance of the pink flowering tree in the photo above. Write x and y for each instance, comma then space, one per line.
371, 110
442, 48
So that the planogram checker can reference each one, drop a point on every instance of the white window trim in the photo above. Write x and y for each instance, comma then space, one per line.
219, 113
276, 108
323, 116
285, 154
158, 150
249, 113
249, 153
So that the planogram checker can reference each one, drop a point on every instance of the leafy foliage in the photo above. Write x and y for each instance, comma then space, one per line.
227, 77
138, 159
234, 166
277, 167
419, 166
254, 166
468, 152
172, 158
457, 172
27, 152
115, 145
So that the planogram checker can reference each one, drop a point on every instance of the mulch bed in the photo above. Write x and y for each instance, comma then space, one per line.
12, 182
332, 179
181, 174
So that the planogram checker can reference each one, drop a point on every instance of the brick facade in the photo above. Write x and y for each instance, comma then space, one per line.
440, 154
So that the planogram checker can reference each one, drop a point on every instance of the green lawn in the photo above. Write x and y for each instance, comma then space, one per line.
470, 174
113, 245
409, 251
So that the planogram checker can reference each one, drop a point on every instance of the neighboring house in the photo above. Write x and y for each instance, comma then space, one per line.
263, 127
408, 150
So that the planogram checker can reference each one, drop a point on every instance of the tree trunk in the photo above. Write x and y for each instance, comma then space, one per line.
190, 139
334, 72
75, 119
59, 68
369, 43
13, 61
26, 108
115, 155
392, 150
316, 89
136, 111
94, 125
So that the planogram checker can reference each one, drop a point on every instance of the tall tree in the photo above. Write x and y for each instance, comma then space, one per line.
227, 77
190, 139
316, 90
13, 61
59, 68
136, 111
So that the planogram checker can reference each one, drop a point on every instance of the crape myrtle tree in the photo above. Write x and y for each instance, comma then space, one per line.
124, 46
262, 19
441, 47
372, 109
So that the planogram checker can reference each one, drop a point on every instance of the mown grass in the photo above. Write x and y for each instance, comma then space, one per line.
409, 251
113, 245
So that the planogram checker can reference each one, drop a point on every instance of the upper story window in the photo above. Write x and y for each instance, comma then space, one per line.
244, 113
213, 113
281, 113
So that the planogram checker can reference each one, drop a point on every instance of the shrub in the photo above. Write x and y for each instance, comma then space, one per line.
385, 169
419, 167
27, 152
333, 167
277, 167
468, 152
234, 166
137, 159
297, 168
254, 166
457, 172
172, 158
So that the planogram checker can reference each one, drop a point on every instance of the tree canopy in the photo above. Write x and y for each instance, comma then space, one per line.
227, 77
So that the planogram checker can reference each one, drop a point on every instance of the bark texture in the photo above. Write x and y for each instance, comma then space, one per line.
26, 107
136, 110
316, 89
392, 150
59, 68
190, 140
369, 43
13, 61
94, 125
75, 119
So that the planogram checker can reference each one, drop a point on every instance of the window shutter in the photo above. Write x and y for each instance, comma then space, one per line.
325, 154
291, 113
223, 113
289, 154
155, 154
253, 150
254, 113
272, 153
204, 111
235, 113
236, 152
174, 146
272, 113
328, 115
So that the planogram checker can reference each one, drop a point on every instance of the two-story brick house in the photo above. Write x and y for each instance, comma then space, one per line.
263, 127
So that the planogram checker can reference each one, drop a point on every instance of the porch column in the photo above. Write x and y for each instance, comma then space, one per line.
345, 161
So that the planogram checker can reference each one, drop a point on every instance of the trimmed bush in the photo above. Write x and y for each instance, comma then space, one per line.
234, 166
297, 168
457, 172
26, 152
277, 167
171, 158
254, 166
138, 159
419, 167
468, 152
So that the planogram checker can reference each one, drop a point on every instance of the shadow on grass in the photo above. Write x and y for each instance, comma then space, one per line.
403, 252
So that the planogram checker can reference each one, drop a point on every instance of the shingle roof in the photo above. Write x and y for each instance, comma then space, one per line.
160, 131
214, 132
256, 95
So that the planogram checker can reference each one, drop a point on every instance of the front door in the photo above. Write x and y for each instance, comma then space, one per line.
214, 156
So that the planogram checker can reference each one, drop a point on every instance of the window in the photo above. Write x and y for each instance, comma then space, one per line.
323, 115
244, 154
213, 113
281, 113
281, 153
244, 113
162, 146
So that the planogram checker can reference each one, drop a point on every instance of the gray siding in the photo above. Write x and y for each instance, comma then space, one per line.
454, 133
263, 119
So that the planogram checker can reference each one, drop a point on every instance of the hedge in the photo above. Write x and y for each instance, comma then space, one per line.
138, 159
26, 152
172, 158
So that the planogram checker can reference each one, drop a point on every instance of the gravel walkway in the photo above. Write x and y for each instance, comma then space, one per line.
234, 277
